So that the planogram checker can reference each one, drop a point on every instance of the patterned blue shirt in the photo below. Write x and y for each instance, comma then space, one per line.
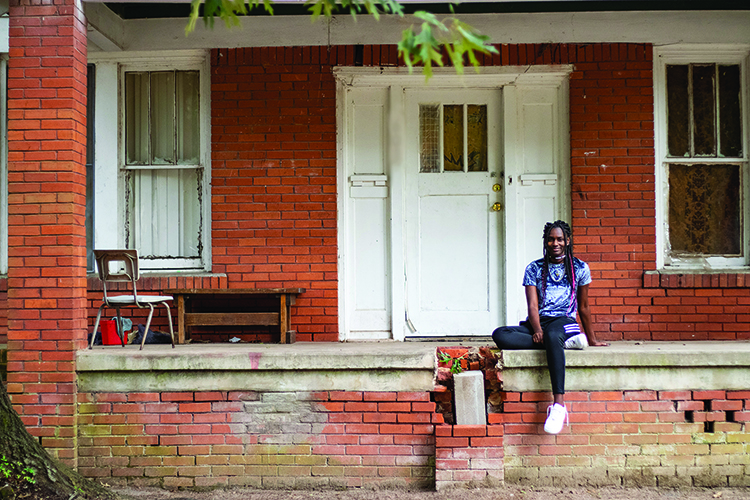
558, 298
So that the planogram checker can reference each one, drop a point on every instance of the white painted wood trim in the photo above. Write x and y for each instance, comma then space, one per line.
168, 59
342, 110
396, 173
105, 28
4, 33
108, 197
513, 233
489, 77
564, 175
657, 27
685, 54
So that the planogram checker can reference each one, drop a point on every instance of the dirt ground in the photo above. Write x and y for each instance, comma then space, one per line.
505, 493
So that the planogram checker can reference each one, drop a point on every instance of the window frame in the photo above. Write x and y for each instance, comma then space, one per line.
110, 216
698, 54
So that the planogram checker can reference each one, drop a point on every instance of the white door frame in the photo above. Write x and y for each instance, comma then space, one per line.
507, 78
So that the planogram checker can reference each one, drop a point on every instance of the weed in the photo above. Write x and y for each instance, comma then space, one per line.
17, 471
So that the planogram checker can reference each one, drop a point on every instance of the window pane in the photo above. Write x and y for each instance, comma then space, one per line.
164, 212
453, 137
704, 110
162, 118
429, 138
477, 134
188, 124
704, 209
678, 111
730, 123
136, 118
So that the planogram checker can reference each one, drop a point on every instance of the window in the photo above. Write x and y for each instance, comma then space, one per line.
164, 167
701, 98
442, 135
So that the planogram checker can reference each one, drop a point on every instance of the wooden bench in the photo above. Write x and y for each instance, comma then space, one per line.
279, 316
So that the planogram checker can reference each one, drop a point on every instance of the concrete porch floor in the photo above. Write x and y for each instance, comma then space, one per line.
404, 366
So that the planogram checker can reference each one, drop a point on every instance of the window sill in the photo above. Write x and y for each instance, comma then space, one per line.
164, 280
687, 278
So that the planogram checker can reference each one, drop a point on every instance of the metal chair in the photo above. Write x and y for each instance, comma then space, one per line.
122, 266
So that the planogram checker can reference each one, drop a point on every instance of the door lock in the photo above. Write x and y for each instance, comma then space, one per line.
496, 187
496, 207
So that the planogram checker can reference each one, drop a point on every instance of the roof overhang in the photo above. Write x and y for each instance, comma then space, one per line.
110, 32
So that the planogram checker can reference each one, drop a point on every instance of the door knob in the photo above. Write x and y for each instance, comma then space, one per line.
496, 207
496, 187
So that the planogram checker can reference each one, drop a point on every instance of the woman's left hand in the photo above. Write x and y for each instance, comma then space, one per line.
598, 343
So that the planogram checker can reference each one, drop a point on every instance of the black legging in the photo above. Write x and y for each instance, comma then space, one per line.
520, 337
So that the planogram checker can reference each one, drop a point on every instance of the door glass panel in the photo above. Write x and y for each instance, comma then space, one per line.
429, 138
477, 138
463, 130
453, 138
704, 209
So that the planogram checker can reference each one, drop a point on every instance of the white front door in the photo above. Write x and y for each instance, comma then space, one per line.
453, 211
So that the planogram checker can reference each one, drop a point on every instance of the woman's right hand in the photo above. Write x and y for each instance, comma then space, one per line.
538, 337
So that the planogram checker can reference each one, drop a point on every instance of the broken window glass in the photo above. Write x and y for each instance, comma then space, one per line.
453, 138
704, 111
429, 138
162, 125
704, 209
730, 125
477, 137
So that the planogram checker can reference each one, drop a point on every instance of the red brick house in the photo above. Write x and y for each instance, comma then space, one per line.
291, 154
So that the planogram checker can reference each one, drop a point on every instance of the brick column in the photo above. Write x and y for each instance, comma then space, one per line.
46, 205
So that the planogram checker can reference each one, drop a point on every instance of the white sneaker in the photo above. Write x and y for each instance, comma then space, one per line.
577, 342
557, 415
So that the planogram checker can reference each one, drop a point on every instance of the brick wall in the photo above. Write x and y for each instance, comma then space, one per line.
469, 455
631, 438
46, 205
612, 173
355, 439
270, 440
274, 176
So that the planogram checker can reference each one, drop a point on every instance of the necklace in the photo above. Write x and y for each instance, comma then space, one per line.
557, 272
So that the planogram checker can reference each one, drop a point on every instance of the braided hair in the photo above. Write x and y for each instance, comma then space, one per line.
567, 257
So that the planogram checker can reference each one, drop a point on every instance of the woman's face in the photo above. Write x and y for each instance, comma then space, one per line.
556, 244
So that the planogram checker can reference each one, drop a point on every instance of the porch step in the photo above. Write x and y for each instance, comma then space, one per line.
664, 366
303, 366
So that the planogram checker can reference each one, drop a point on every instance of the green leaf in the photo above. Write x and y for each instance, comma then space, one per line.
458, 39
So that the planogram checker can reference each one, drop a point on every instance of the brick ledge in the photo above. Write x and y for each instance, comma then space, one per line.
738, 278
163, 281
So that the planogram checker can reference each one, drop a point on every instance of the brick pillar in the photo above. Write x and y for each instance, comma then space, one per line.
46, 205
